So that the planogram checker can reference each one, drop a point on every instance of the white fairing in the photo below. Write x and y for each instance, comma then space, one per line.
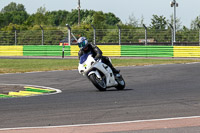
86, 68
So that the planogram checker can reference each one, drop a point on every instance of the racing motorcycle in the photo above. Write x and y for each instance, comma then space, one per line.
100, 74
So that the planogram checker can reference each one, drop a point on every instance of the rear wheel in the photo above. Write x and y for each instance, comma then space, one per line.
100, 84
121, 83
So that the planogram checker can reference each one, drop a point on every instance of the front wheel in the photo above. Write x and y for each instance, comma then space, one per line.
121, 83
100, 84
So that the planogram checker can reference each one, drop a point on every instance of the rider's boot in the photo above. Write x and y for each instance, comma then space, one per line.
107, 61
115, 71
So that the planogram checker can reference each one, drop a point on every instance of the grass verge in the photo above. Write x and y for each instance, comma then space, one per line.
32, 65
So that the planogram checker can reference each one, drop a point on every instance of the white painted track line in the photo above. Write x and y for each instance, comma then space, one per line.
176, 122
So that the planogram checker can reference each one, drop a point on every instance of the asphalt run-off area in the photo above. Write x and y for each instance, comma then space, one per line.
157, 98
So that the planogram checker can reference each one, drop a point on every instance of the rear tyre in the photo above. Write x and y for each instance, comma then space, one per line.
121, 83
100, 84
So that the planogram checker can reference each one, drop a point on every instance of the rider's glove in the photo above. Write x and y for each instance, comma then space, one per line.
96, 59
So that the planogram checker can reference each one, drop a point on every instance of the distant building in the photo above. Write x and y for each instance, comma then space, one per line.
148, 40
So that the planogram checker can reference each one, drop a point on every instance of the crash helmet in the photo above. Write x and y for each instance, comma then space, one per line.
82, 42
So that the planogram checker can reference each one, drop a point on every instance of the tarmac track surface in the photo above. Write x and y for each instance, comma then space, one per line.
152, 92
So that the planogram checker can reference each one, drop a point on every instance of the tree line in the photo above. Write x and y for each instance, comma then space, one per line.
16, 14
15, 17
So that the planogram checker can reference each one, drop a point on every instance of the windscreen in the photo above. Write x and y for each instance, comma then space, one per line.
84, 57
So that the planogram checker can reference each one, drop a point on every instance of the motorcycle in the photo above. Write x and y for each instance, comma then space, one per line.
100, 74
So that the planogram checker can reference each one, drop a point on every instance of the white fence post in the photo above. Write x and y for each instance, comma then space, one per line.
119, 34
145, 33
94, 30
42, 34
172, 29
69, 34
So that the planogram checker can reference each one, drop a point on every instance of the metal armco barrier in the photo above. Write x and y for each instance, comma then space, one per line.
147, 51
186, 51
108, 50
47, 50
11, 50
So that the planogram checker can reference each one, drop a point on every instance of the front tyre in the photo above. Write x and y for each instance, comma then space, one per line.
100, 84
121, 83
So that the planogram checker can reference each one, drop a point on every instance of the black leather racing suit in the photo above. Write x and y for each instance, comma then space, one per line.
97, 54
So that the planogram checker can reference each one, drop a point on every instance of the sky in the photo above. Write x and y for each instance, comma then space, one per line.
187, 11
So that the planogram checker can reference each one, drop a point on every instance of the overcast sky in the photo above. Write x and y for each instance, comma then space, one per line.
187, 11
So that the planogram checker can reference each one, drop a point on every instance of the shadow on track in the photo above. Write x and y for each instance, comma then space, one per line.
111, 90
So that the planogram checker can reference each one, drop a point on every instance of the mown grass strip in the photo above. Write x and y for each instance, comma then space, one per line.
34, 65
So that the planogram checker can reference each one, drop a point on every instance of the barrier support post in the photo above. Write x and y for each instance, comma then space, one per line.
172, 30
94, 32
199, 32
69, 34
145, 33
42, 34
119, 34
15, 35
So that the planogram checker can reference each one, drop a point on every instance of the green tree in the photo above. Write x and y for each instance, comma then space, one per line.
13, 7
99, 20
19, 17
195, 23
13, 13
39, 17
87, 16
57, 18
111, 19
132, 21
72, 18
15, 17
178, 22
88, 20
158, 22
141, 21
1, 20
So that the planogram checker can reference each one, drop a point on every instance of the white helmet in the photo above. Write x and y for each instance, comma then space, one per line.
82, 42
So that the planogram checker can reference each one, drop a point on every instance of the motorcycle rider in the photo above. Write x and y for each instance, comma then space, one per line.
85, 47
